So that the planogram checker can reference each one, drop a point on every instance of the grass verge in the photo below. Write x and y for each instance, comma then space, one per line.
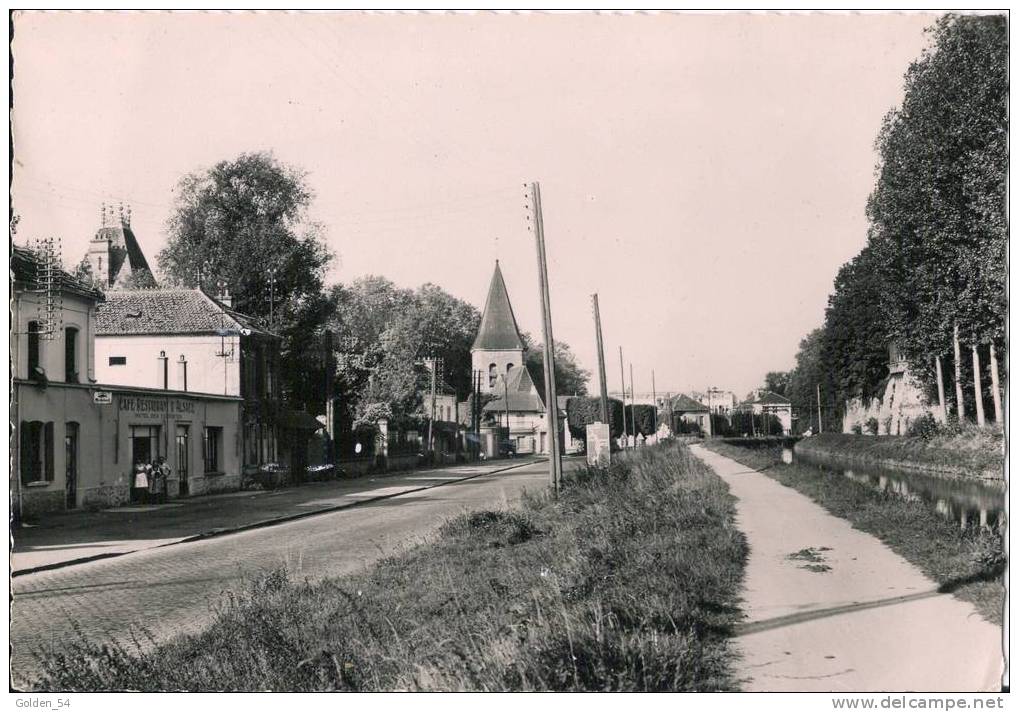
968, 563
628, 581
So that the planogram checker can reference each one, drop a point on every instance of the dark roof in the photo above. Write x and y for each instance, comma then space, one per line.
498, 330
769, 398
25, 268
685, 404
518, 388
125, 255
167, 311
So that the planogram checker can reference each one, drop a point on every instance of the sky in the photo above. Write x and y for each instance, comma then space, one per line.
705, 174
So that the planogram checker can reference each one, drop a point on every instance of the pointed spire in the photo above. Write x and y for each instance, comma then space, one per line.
498, 330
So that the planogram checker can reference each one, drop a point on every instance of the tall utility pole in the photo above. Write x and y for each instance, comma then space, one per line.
654, 399
555, 464
820, 414
633, 406
431, 418
327, 359
603, 387
622, 382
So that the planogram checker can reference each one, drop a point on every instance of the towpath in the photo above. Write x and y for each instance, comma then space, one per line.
831, 608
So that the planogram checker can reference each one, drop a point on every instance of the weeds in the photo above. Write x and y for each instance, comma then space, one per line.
629, 580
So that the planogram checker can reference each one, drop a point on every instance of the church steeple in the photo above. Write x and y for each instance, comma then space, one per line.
498, 330
498, 347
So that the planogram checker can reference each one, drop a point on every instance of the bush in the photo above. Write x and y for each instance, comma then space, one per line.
857, 429
872, 426
925, 427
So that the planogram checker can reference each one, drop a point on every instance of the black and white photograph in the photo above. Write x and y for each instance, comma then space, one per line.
509, 351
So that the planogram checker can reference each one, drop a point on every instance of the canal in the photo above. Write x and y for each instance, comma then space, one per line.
968, 502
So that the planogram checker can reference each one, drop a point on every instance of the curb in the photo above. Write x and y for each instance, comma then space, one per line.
263, 523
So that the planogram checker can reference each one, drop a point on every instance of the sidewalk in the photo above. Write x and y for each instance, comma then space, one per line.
830, 608
72, 537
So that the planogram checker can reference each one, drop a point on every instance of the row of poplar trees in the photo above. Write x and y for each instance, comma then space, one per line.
932, 277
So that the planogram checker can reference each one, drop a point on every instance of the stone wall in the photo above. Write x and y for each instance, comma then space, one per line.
104, 496
210, 484
902, 402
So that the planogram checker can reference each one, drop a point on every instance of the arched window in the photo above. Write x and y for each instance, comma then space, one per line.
509, 367
493, 374
71, 355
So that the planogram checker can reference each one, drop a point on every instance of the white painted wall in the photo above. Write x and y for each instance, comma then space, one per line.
207, 372
75, 311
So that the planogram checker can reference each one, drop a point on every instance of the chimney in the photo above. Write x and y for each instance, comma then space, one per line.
225, 298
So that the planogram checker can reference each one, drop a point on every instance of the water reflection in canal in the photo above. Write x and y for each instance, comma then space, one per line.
967, 502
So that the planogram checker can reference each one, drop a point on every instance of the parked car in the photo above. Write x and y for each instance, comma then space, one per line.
321, 473
272, 475
507, 448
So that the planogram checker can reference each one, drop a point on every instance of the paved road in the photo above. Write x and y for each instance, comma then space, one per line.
871, 621
58, 539
169, 590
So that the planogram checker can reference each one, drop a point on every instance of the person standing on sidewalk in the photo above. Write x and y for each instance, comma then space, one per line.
157, 483
141, 483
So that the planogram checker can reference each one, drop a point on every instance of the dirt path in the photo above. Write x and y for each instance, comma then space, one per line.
831, 608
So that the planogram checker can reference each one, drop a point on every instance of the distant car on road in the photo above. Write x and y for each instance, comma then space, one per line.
507, 448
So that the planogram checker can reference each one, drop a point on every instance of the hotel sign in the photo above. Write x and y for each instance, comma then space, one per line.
102, 397
157, 408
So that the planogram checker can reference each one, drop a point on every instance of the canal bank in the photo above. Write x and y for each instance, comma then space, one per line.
974, 454
951, 532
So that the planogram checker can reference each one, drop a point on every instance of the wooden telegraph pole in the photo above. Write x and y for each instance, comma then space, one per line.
633, 407
602, 382
820, 414
654, 399
555, 463
622, 383
431, 418
327, 362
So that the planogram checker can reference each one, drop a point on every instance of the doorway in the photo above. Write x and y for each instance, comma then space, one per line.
182, 459
71, 460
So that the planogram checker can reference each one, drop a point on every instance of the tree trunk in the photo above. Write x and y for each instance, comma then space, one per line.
976, 385
941, 390
996, 393
960, 406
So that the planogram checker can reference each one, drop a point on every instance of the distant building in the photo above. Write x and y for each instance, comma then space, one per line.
686, 412
719, 402
768, 403
114, 255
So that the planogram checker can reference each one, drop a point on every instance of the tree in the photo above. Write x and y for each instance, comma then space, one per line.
571, 379
383, 336
244, 222
937, 212
643, 416
776, 382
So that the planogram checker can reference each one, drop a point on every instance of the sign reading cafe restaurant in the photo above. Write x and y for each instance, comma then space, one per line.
142, 407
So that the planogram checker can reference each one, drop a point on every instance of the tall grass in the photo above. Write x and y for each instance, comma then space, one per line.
628, 581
